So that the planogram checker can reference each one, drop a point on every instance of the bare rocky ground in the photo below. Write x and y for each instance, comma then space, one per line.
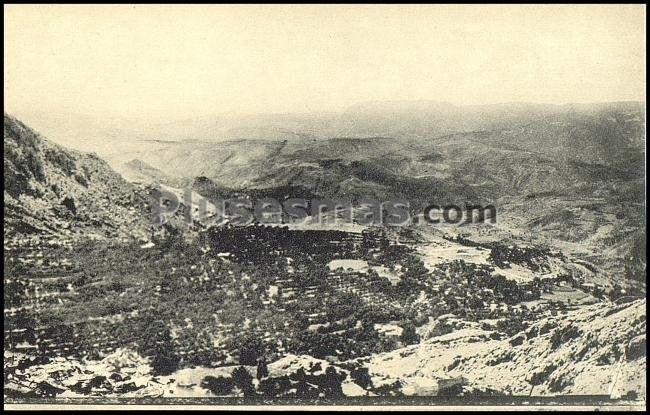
594, 350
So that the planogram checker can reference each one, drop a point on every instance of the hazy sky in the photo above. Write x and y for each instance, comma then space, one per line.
184, 61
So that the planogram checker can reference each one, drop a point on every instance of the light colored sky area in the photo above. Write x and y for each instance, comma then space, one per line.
185, 61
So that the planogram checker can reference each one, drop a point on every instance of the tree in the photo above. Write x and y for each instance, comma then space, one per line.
262, 369
217, 385
332, 383
341, 305
274, 387
251, 348
361, 377
243, 380
409, 335
303, 390
158, 343
165, 361
14, 293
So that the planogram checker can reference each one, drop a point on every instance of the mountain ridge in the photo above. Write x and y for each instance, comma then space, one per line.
54, 191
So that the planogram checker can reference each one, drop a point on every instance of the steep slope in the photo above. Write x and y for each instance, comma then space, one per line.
594, 350
54, 191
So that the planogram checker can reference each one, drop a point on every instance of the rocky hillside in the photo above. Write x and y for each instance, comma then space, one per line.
50, 190
594, 350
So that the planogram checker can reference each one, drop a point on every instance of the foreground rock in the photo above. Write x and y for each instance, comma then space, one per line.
595, 350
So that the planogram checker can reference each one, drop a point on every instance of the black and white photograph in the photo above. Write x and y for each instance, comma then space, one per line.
325, 206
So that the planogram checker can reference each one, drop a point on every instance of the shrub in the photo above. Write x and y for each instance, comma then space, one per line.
563, 335
274, 387
636, 349
558, 383
517, 341
217, 385
61, 160
361, 377
243, 380
511, 326
540, 377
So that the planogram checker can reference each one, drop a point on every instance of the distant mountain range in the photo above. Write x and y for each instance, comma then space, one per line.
571, 176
